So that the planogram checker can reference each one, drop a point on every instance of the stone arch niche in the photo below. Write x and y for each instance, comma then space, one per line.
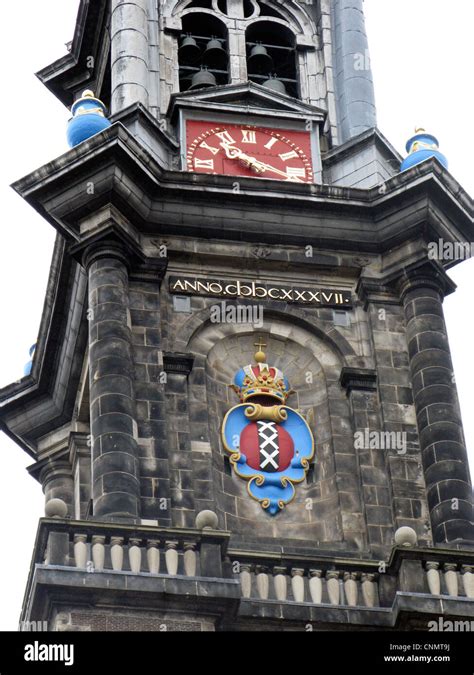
312, 362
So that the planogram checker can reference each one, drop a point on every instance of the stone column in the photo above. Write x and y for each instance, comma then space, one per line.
115, 467
441, 434
129, 38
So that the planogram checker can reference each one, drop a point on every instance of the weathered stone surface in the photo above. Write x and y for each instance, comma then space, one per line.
150, 415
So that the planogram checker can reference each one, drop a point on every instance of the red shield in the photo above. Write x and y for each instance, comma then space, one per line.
267, 446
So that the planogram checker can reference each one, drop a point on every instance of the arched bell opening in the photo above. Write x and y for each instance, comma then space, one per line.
203, 52
271, 57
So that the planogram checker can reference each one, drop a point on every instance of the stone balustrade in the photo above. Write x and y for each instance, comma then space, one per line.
320, 580
450, 578
136, 554
105, 547
286, 583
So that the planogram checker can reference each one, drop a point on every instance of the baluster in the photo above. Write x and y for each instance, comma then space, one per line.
262, 582
451, 579
468, 580
334, 591
280, 583
246, 580
116, 553
297, 584
368, 589
135, 555
316, 586
171, 558
434, 581
153, 556
98, 552
80, 550
350, 588
190, 559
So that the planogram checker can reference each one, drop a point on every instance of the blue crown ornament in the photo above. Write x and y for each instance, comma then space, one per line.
88, 119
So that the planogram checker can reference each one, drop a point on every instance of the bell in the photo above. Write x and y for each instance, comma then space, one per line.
189, 52
275, 84
202, 79
215, 56
260, 60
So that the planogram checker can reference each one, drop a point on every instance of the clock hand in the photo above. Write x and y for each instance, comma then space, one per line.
236, 153
231, 151
268, 167
260, 167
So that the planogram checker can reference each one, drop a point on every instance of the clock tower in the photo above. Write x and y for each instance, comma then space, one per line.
241, 406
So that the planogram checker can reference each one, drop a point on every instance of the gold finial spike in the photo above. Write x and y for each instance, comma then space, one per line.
260, 356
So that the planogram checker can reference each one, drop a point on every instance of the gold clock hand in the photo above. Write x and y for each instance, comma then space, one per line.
236, 153
268, 167
260, 167
231, 151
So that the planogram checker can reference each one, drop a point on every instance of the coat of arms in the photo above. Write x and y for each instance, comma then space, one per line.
270, 444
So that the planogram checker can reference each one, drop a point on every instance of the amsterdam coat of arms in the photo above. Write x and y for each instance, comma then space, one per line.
270, 444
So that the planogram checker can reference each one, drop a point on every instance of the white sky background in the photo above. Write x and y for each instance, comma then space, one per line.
422, 58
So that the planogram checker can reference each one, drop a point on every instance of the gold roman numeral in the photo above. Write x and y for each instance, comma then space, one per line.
289, 155
225, 137
204, 163
249, 136
209, 147
295, 173
271, 143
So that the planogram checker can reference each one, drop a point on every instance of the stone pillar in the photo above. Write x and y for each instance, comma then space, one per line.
80, 459
441, 434
183, 490
129, 37
361, 387
115, 467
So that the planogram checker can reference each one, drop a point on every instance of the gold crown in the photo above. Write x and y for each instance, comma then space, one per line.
261, 379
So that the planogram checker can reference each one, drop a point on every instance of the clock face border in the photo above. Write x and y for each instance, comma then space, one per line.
287, 130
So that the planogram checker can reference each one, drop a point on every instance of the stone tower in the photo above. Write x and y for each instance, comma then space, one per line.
241, 222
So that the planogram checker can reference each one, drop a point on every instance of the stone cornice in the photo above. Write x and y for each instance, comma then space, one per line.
245, 99
50, 390
126, 176
71, 68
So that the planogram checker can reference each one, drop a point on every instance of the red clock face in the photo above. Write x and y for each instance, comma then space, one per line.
244, 150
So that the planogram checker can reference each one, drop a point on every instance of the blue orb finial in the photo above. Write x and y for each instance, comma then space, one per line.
28, 366
88, 118
420, 147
